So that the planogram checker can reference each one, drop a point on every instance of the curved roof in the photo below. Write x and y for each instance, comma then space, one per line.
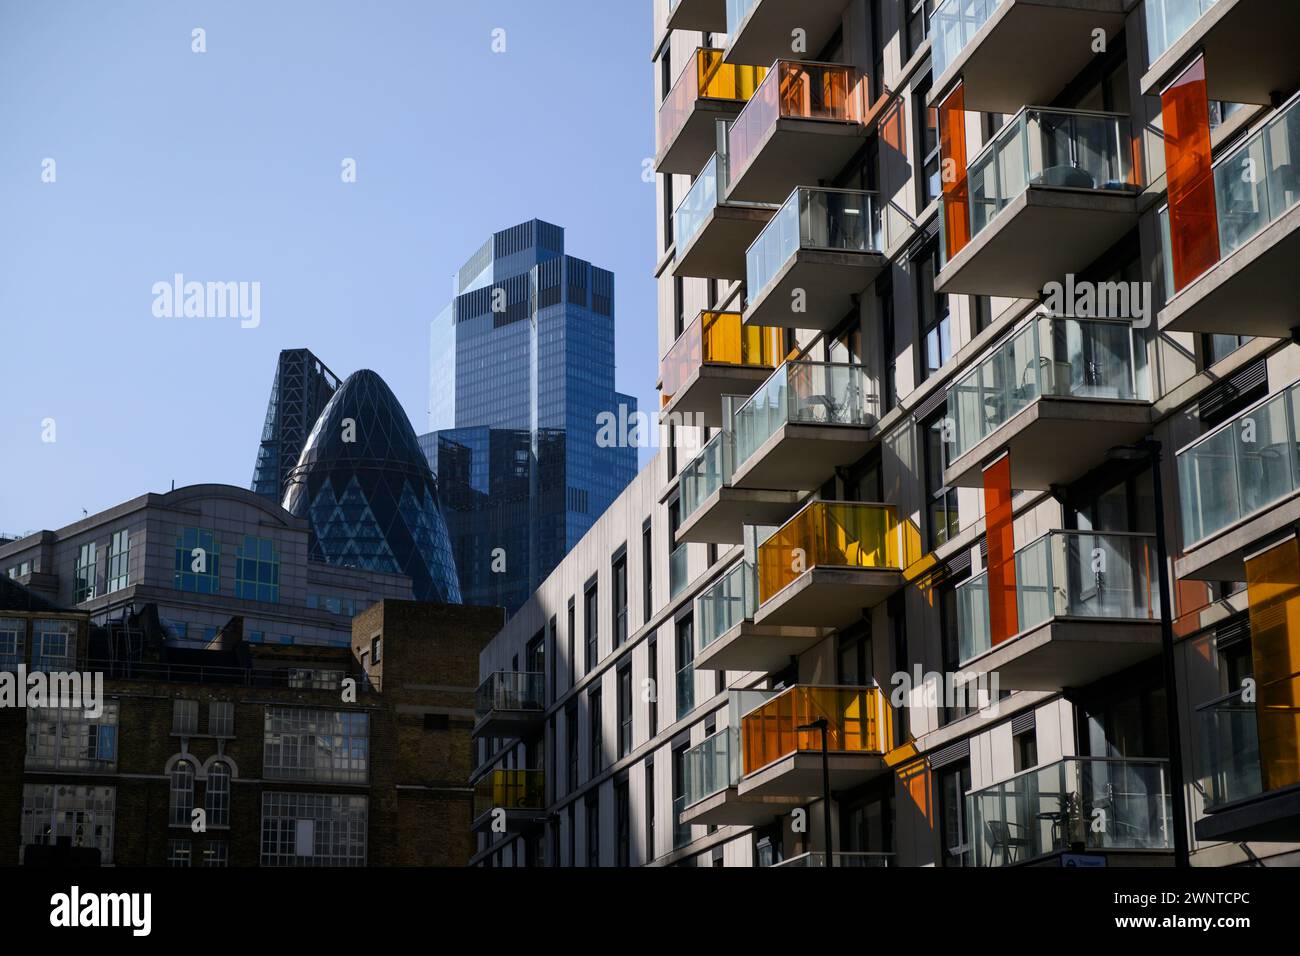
367, 492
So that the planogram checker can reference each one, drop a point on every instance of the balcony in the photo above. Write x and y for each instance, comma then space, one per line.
761, 30
1253, 288
685, 689
706, 91
520, 795
714, 512
780, 760
829, 562
1080, 804
509, 703
727, 637
711, 231
1012, 52
805, 420
1238, 807
1087, 606
853, 860
1048, 195
1057, 394
802, 126
822, 248
1237, 488
1249, 46
716, 355
705, 16
710, 772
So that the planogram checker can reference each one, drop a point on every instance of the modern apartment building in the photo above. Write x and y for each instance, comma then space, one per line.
987, 305
521, 369
246, 754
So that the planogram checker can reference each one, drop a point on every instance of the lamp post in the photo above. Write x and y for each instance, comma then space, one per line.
823, 725
1150, 450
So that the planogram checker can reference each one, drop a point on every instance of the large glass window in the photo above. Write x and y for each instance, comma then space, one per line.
936, 322
954, 781
83, 814
216, 799
313, 829
119, 561
591, 622
322, 745
64, 738
198, 562
625, 710
84, 574
620, 599
257, 570
943, 523
596, 761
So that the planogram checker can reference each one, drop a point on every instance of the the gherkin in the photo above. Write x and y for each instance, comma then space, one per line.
367, 491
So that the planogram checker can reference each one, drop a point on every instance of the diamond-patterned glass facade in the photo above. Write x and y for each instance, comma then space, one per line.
367, 491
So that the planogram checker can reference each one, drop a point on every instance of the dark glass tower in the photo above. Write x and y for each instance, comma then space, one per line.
367, 491
299, 393
521, 371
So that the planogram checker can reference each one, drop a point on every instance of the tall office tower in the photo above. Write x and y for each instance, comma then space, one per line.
939, 290
521, 373
299, 392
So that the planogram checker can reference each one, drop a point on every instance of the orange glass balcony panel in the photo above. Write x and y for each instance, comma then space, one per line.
952, 168
705, 77
717, 338
1193, 219
1273, 590
854, 718
794, 90
830, 534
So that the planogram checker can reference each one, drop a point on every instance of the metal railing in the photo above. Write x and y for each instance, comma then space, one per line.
510, 690
731, 599
853, 860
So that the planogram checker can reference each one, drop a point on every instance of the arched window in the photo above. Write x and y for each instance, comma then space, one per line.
217, 797
182, 793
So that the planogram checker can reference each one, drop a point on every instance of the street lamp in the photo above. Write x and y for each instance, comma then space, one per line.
823, 725
1149, 450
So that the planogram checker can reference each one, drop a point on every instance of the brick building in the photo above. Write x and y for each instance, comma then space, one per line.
296, 755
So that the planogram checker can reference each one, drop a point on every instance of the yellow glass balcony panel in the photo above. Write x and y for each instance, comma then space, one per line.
705, 77
1273, 590
510, 790
857, 722
834, 534
717, 338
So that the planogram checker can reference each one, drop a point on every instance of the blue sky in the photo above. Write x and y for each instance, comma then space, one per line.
225, 166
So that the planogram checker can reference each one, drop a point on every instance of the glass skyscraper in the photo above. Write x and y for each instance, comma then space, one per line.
521, 372
301, 388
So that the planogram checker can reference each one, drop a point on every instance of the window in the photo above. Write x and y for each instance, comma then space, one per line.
376, 649
83, 814
855, 656
217, 797
571, 742
685, 667
322, 745
65, 738
625, 710
954, 781
185, 717
681, 831
1218, 347
84, 574
650, 853
591, 622
215, 853
119, 561
54, 645
313, 829
257, 570
13, 643
931, 179
943, 520
668, 212
619, 596
936, 323
647, 573
888, 342
948, 634
596, 756
623, 808
573, 646
181, 801
178, 852
318, 678
592, 808
549, 652
221, 718
198, 562
652, 672
918, 22
1025, 749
